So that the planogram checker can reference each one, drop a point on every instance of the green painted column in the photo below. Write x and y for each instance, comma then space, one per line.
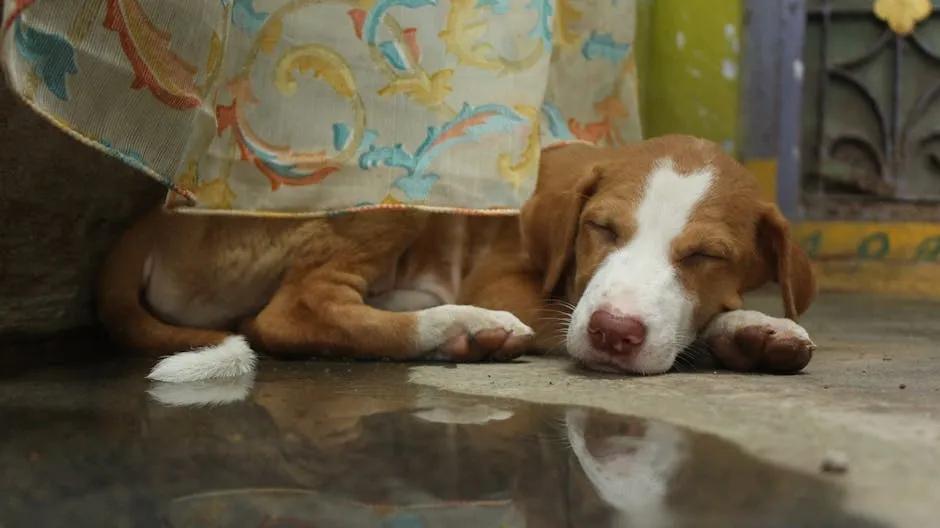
688, 55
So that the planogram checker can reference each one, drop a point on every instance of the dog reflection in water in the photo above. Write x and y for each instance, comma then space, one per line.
630, 463
369, 429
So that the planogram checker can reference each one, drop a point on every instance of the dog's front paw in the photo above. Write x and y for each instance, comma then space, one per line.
468, 333
752, 341
782, 346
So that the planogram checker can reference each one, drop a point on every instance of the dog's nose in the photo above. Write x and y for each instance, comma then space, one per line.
616, 334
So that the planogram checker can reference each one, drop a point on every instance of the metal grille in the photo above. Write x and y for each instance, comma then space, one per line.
871, 122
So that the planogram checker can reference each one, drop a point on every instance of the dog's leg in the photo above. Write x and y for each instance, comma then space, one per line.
746, 340
209, 353
303, 324
320, 307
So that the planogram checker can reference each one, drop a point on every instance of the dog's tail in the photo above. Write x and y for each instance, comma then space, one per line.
208, 354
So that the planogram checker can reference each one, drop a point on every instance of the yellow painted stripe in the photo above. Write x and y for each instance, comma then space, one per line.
901, 258
885, 258
869, 241
913, 279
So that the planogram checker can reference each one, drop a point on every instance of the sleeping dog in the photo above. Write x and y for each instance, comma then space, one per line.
647, 248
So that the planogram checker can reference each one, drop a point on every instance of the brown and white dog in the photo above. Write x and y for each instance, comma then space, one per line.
651, 246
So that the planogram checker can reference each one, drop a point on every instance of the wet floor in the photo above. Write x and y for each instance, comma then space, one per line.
337, 445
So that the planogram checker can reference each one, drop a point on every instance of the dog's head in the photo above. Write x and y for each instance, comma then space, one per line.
651, 241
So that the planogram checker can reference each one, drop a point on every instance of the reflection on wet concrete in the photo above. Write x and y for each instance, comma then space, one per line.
337, 445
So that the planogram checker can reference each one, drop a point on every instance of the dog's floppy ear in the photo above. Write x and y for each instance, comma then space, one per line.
789, 263
568, 175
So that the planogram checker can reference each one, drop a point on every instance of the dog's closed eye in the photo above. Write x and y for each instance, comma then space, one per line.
701, 256
607, 231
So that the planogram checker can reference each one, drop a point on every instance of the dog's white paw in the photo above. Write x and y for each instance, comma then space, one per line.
469, 333
750, 340
739, 319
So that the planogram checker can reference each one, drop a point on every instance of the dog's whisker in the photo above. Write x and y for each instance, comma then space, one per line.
557, 315
559, 320
561, 302
557, 339
553, 309
561, 316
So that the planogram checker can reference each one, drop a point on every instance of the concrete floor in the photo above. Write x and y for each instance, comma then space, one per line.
872, 392
521, 444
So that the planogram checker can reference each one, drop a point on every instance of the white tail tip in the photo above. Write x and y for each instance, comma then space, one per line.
231, 358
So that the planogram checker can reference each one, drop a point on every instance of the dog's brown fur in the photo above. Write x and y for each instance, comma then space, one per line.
299, 287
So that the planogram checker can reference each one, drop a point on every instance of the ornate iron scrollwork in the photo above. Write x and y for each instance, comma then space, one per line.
892, 152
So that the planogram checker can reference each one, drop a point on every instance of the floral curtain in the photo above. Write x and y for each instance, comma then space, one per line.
311, 107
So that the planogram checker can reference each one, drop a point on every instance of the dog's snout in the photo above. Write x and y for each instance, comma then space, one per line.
616, 334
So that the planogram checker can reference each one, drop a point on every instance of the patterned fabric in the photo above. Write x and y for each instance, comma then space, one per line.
319, 106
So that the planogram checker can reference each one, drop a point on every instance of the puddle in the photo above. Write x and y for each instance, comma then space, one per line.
337, 445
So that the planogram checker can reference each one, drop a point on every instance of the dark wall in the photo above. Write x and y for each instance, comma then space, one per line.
61, 206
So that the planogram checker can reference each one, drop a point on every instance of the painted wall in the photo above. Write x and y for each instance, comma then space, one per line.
688, 55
